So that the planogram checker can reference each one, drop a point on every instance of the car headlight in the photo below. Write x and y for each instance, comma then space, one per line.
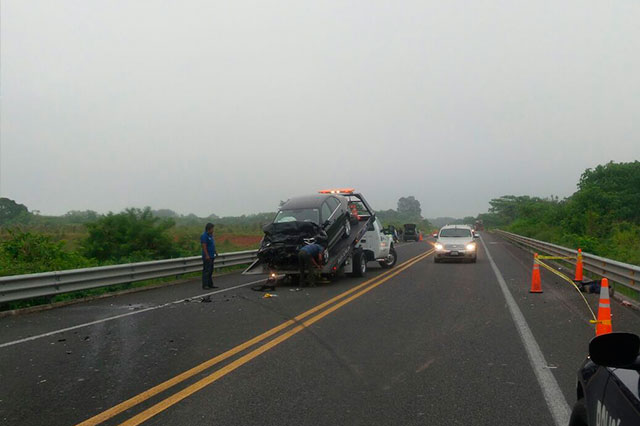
439, 246
471, 247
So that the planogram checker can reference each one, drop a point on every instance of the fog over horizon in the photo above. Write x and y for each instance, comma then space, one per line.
229, 107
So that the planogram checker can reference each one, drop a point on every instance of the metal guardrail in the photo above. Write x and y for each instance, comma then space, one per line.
20, 287
622, 273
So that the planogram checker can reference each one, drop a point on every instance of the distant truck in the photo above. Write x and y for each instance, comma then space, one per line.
478, 226
410, 232
339, 219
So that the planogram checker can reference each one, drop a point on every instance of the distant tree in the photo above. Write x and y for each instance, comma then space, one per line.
469, 220
189, 220
81, 216
12, 212
164, 213
409, 207
441, 221
389, 217
611, 190
132, 235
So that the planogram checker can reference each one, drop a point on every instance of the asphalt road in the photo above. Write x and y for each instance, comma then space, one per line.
422, 343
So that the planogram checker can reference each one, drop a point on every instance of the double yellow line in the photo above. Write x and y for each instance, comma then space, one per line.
353, 294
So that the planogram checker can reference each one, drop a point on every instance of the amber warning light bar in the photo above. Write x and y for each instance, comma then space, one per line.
337, 191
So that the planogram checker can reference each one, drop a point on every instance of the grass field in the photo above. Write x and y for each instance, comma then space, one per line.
187, 238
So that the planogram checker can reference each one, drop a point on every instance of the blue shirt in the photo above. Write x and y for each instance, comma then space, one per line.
207, 239
313, 249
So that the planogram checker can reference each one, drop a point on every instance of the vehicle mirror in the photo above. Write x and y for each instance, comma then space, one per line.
326, 223
614, 349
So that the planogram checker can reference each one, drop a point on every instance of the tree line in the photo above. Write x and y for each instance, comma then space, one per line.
602, 217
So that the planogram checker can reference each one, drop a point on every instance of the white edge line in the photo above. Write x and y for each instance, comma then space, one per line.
554, 397
87, 324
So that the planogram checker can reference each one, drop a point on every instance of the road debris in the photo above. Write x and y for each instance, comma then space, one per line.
263, 287
269, 295
206, 299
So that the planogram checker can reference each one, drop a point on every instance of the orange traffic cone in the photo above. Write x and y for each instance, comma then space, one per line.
603, 325
579, 267
536, 282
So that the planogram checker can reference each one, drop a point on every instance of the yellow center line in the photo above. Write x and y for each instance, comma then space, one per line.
149, 393
202, 383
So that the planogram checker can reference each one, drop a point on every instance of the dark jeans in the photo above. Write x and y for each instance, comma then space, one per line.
207, 272
307, 269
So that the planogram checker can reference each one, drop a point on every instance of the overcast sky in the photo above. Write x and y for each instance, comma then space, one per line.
231, 106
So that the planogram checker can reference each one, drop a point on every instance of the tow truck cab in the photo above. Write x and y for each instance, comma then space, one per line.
378, 246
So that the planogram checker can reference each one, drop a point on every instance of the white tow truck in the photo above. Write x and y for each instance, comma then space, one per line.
365, 242
378, 246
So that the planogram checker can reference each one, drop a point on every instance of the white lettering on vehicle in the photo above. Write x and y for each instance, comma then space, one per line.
603, 418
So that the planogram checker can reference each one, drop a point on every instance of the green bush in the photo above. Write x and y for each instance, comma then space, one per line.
26, 253
131, 236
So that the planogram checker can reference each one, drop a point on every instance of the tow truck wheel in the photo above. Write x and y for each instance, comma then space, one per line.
359, 264
293, 279
391, 260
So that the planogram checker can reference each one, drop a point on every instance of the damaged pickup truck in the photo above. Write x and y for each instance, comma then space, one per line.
337, 220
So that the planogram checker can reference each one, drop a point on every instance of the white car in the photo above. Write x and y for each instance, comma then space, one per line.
456, 242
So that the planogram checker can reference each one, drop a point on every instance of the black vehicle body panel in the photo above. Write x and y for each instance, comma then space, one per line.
282, 241
610, 394
333, 213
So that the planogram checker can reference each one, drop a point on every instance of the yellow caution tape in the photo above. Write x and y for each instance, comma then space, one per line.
570, 281
557, 257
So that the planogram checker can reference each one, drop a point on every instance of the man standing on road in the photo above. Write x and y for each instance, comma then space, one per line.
208, 254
